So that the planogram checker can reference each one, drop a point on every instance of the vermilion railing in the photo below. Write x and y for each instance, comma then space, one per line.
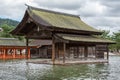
17, 56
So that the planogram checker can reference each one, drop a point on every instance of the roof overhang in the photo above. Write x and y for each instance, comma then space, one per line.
84, 39
31, 17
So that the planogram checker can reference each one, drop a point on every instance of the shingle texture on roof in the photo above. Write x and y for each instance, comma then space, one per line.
41, 42
11, 42
60, 20
83, 38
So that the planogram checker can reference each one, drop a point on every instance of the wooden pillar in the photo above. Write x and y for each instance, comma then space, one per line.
107, 53
64, 52
56, 51
53, 50
28, 53
14, 52
78, 52
86, 51
20, 51
4, 55
27, 40
1, 52
95, 53
6, 50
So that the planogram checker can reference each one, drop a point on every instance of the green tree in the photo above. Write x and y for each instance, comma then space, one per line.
6, 30
116, 38
113, 37
105, 34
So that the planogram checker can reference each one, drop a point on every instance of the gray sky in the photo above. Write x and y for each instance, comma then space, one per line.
101, 14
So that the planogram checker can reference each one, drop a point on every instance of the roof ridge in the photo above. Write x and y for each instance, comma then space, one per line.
51, 11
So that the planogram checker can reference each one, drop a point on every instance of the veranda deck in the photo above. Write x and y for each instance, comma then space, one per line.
67, 62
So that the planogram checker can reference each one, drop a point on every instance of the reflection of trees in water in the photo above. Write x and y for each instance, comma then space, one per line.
99, 71
67, 72
83, 71
71, 72
37, 71
19, 70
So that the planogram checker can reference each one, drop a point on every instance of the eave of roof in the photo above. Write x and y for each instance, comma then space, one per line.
85, 38
11, 42
40, 42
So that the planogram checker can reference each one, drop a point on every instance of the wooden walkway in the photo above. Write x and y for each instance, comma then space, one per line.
67, 62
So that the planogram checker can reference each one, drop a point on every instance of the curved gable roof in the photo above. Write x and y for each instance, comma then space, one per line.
53, 20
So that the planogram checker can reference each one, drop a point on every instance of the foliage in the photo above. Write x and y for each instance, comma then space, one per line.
8, 25
105, 34
115, 37
6, 30
8, 22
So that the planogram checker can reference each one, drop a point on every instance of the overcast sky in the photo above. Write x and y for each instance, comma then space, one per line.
101, 14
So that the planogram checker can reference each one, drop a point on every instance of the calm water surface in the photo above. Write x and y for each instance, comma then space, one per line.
19, 70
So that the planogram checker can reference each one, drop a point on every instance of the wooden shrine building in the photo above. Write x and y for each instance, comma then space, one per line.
70, 37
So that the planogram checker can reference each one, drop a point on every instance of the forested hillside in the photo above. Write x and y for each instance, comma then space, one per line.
8, 22
7, 25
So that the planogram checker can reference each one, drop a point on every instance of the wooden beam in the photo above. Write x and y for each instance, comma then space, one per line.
53, 50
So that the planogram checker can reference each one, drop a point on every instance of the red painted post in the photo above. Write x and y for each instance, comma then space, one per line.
14, 52
4, 56
28, 53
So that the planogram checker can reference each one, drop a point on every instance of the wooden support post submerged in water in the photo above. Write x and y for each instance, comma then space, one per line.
4, 55
107, 53
64, 52
14, 52
27, 40
53, 50
28, 53
86, 52
20, 52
